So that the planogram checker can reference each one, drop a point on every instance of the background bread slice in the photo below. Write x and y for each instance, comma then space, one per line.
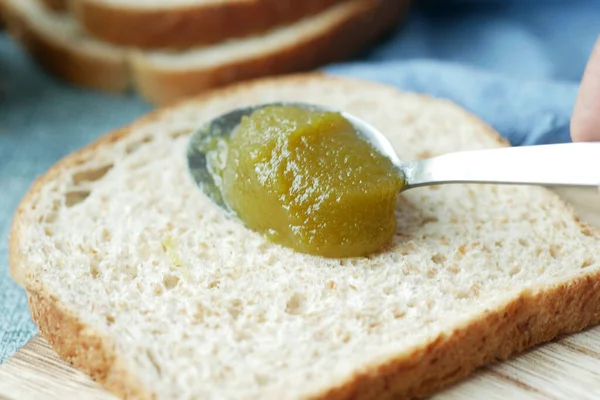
162, 77
188, 23
334, 35
136, 278
56, 5
53, 41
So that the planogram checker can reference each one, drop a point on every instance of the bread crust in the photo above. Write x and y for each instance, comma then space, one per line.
69, 62
527, 321
77, 344
55, 5
179, 27
532, 318
368, 21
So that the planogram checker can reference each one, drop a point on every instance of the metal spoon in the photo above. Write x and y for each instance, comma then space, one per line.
568, 164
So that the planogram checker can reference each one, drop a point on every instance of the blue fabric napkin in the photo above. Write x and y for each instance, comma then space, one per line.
515, 64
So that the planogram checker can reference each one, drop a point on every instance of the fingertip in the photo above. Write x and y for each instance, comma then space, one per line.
585, 121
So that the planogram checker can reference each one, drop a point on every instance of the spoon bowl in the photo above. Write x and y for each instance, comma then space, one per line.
224, 125
566, 164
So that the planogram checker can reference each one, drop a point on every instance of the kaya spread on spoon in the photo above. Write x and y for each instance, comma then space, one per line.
306, 180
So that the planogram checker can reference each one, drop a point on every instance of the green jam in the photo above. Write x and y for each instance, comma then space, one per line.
306, 180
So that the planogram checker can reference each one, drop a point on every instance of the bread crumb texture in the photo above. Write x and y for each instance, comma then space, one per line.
124, 258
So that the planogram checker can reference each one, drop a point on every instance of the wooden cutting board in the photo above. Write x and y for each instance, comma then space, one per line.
567, 368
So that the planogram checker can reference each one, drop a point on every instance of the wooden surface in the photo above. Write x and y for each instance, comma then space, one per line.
568, 368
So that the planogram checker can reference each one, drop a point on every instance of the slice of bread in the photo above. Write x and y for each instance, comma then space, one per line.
58, 44
181, 24
55, 42
135, 277
55, 5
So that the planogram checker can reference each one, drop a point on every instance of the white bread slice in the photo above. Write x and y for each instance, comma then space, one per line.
135, 277
58, 44
56, 5
180, 24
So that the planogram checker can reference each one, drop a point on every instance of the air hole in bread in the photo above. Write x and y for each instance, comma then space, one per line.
110, 320
430, 304
94, 271
523, 242
50, 216
554, 250
559, 225
514, 271
261, 379
170, 281
198, 316
461, 294
295, 304
131, 272
438, 258
91, 175
235, 309
133, 147
153, 361
105, 234
75, 197
214, 284
587, 263
402, 249
429, 220
586, 231
180, 133
454, 268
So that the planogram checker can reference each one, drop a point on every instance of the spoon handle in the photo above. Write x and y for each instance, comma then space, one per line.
568, 164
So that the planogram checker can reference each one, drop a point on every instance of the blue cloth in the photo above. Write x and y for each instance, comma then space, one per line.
516, 64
